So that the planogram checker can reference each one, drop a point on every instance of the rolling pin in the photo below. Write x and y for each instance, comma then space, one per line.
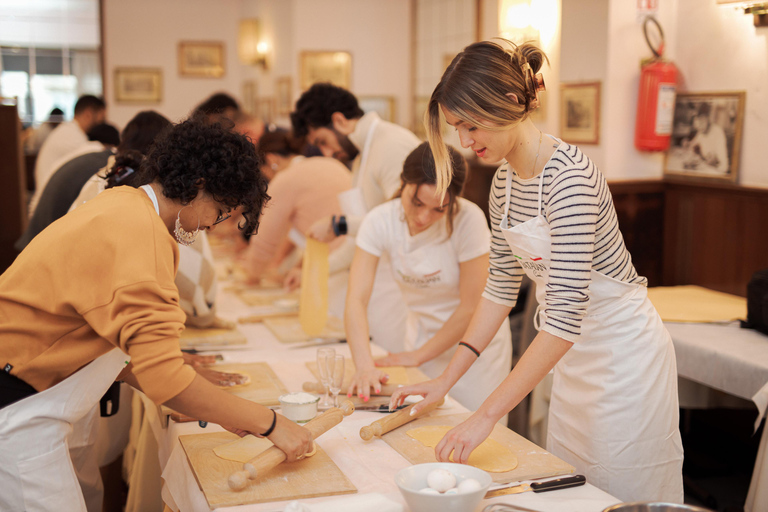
273, 456
380, 427
316, 387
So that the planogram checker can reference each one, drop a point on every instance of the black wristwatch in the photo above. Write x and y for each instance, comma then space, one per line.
339, 225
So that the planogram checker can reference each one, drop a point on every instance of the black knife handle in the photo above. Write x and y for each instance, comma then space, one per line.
559, 483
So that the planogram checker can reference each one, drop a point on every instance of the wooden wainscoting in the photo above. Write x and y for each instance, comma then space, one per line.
715, 235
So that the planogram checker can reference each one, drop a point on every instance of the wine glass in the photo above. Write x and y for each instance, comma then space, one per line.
323, 355
336, 376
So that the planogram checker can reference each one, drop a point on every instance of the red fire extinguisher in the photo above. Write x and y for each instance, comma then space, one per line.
656, 99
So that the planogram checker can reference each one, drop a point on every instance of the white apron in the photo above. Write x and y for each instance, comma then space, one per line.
614, 408
426, 268
386, 313
37, 473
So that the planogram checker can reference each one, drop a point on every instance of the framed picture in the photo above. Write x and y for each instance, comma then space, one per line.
333, 67
250, 96
283, 95
265, 110
706, 136
580, 112
383, 105
138, 85
201, 59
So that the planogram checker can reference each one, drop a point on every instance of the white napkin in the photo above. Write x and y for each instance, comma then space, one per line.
357, 503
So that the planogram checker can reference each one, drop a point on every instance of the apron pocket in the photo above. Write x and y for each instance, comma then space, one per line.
48, 482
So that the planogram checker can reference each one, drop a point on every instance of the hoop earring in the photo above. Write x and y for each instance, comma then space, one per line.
183, 236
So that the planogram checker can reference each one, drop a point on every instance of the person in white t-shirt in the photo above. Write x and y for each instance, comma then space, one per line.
438, 247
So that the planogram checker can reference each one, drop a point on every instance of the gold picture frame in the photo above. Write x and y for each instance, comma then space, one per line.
706, 136
265, 110
250, 96
203, 59
382, 105
325, 66
283, 96
138, 85
580, 112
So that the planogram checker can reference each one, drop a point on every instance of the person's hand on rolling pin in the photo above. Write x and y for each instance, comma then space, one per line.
294, 440
292, 279
366, 379
464, 438
409, 358
322, 230
432, 391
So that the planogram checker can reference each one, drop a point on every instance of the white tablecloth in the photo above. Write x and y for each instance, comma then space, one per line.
370, 466
733, 360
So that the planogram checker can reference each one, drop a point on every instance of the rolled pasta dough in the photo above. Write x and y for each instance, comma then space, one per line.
490, 456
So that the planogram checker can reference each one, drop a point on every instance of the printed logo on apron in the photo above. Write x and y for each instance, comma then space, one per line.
423, 281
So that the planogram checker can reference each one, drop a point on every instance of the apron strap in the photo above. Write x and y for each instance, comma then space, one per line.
541, 187
508, 186
151, 193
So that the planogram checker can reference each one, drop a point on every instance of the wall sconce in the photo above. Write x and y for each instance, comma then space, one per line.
528, 20
758, 9
251, 49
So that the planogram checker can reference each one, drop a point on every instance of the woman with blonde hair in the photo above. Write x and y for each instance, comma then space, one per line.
614, 410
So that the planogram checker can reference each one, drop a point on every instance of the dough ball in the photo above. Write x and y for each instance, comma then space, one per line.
469, 485
452, 490
429, 490
441, 480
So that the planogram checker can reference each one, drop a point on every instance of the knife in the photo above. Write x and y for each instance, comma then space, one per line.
550, 485
316, 342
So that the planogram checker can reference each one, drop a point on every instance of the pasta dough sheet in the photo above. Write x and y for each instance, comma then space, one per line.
490, 456
696, 304
244, 383
313, 301
242, 450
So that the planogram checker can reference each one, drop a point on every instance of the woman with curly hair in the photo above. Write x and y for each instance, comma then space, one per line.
92, 299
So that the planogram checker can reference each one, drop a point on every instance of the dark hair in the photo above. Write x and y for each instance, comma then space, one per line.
89, 102
217, 104
281, 142
197, 153
318, 103
104, 133
419, 169
137, 137
704, 109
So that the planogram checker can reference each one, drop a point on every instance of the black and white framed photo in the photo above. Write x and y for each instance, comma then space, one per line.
706, 136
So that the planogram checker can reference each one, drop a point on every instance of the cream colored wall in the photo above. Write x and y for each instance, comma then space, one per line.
146, 33
719, 49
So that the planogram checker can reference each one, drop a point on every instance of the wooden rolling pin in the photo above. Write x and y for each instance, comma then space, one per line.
389, 423
316, 387
273, 456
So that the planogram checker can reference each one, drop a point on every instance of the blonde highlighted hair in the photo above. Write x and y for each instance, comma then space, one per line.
478, 88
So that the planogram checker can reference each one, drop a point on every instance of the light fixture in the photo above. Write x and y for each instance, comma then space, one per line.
251, 48
528, 21
758, 9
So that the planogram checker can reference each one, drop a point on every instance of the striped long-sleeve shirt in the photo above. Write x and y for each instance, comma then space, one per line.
585, 235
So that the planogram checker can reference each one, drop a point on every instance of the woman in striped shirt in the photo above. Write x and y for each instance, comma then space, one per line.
614, 410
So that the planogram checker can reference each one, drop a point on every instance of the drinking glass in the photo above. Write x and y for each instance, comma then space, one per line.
336, 376
323, 356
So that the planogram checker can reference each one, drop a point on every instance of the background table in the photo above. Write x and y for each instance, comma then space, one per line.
735, 361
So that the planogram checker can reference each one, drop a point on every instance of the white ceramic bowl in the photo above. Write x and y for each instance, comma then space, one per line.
412, 479
300, 412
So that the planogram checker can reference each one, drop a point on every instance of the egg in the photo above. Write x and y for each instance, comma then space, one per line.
429, 490
452, 490
441, 480
469, 485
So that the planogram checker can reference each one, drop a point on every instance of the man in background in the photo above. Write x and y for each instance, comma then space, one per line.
64, 139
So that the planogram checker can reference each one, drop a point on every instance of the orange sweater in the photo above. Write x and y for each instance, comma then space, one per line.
100, 277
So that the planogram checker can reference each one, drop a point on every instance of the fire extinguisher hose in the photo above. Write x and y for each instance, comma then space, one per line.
657, 52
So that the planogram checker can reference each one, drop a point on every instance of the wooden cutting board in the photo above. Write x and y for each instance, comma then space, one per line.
533, 461
193, 337
694, 304
288, 329
264, 388
399, 376
268, 297
309, 478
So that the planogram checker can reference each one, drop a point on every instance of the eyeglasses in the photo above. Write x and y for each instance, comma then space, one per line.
221, 218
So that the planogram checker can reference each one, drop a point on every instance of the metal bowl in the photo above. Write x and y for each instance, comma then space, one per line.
647, 506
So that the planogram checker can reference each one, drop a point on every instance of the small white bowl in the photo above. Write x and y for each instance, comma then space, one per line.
300, 412
412, 479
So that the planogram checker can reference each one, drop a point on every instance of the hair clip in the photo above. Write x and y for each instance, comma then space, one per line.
539, 82
123, 173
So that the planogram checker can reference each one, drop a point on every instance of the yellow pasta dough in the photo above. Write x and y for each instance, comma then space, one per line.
236, 386
246, 448
313, 301
490, 456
